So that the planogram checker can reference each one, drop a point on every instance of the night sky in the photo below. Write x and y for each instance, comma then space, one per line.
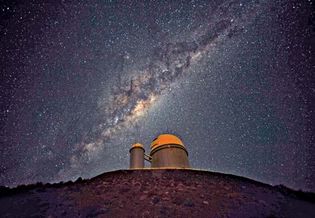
81, 81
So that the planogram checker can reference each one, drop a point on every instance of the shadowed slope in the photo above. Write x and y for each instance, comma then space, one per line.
157, 193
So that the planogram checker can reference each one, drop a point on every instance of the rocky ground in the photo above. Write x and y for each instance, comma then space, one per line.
157, 193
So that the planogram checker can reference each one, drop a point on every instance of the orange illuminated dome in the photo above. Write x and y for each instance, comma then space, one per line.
166, 139
168, 150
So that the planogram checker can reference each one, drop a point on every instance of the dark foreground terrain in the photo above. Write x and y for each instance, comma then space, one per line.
157, 193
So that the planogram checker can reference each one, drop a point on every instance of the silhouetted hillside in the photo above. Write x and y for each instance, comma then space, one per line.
157, 193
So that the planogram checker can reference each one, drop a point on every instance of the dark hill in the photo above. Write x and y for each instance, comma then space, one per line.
157, 193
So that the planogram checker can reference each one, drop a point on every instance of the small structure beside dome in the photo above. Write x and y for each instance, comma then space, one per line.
167, 151
136, 156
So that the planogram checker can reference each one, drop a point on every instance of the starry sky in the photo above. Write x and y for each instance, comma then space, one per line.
81, 81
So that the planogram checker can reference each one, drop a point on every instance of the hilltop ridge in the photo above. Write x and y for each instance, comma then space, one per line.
157, 193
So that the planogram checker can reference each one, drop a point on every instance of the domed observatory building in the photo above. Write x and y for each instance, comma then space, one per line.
167, 151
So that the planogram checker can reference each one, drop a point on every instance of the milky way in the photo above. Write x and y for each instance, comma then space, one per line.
81, 82
168, 65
